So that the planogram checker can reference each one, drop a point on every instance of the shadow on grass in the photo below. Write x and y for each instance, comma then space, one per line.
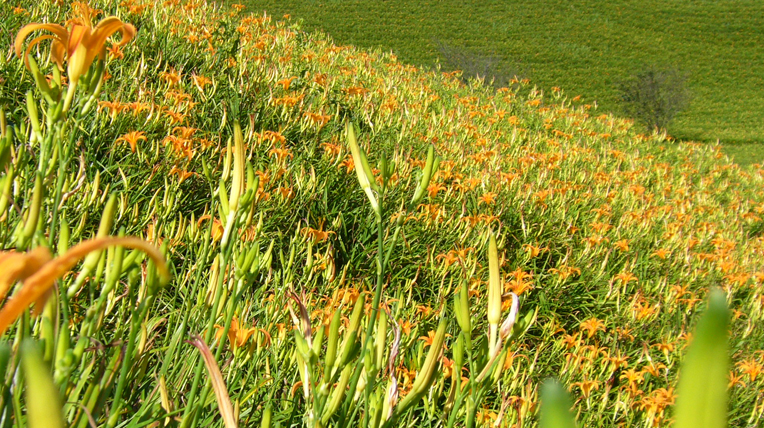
743, 152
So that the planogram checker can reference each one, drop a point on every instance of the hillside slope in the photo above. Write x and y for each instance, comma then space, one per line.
613, 238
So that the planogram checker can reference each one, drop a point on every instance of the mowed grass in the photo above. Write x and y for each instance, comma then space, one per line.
584, 47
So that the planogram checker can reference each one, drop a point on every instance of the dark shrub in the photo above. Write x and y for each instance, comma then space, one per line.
473, 65
654, 96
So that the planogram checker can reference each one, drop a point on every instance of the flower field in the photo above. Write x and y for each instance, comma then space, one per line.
219, 220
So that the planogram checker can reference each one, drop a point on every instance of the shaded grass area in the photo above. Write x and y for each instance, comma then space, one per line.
584, 47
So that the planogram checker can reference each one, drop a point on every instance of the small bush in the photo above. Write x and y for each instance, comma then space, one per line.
655, 96
489, 68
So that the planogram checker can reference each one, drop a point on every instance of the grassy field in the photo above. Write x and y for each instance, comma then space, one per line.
585, 48
220, 220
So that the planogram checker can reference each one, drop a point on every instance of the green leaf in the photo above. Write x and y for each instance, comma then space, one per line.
42, 397
555, 406
702, 390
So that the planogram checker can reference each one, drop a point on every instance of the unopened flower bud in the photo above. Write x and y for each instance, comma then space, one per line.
509, 322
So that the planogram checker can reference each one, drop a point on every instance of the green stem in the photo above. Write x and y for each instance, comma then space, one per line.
126, 363
189, 416
62, 163
374, 311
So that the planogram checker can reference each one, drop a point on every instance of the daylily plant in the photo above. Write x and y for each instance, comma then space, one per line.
78, 46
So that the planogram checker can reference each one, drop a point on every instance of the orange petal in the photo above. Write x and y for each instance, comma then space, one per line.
39, 303
105, 29
77, 36
60, 33
267, 335
31, 46
79, 53
58, 53
128, 33
243, 335
38, 284
18, 266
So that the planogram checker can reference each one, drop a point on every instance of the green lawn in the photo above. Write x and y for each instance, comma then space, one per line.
584, 47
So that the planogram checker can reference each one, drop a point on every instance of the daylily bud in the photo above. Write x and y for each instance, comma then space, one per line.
3, 124
429, 170
228, 160
390, 399
426, 375
350, 344
331, 343
64, 354
239, 169
462, 309
42, 395
318, 341
458, 355
337, 395
96, 184
384, 170
47, 329
33, 214
34, 116
5, 196
509, 322
63, 236
368, 171
224, 204
360, 169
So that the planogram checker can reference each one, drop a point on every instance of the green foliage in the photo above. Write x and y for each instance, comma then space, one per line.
555, 406
338, 275
703, 379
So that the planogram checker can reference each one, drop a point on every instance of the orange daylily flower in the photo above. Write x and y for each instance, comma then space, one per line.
429, 338
488, 198
217, 226
285, 83
591, 325
317, 235
533, 250
79, 45
750, 367
661, 253
622, 244
238, 335
587, 386
625, 277
132, 139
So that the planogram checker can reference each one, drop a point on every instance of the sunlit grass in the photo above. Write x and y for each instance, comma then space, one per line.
586, 48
